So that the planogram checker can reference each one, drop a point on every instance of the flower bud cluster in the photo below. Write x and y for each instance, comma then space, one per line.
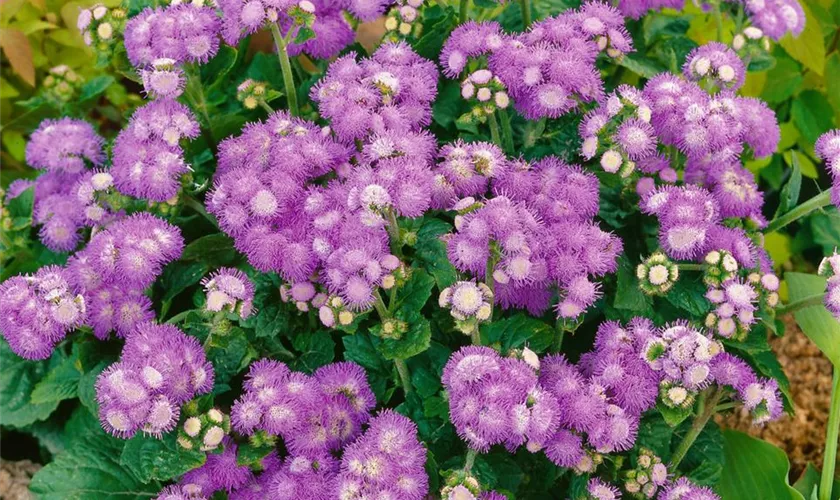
657, 274
469, 303
401, 19
229, 290
485, 92
203, 431
62, 84
649, 475
101, 28
251, 93
830, 269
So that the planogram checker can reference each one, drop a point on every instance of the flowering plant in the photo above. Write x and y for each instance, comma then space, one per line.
491, 251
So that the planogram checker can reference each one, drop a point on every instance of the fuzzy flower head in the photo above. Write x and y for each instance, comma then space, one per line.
467, 42
231, 290
101, 28
163, 79
684, 489
464, 170
776, 18
735, 307
686, 215
717, 64
182, 33
65, 145
657, 274
827, 148
485, 93
830, 269
37, 311
469, 303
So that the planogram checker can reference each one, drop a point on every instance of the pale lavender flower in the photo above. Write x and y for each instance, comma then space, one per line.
596, 489
776, 17
465, 169
686, 216
65, 145
184, 33
219, 472
467, 41
716, 63
827, 148
37, 311
735, 307
229, 289
637, 8
830, 269
684, 489
163, 79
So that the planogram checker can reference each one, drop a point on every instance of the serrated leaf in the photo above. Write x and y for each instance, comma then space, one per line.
812, 114
412, 296
754, 469
60, 383
413, 342
215, 70
673, 416
150, 458
316, 350
816, 322
689, 295
628, 295
518, 331
95, 87
178, 276
87, 387
17, 381
90, 469
431, 252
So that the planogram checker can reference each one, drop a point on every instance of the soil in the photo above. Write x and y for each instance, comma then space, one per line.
14, 479
802, 434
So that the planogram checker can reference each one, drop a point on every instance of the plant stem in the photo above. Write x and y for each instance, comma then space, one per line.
790, 307
405, 375
264, 105
494, 130
691, 267
831, 435
470, 460
463, 11
525, 5
393, 228
709, 405
475, 335
718, 21
286, 68
507, 131
379, 305
557, 345
533, 131
815, 203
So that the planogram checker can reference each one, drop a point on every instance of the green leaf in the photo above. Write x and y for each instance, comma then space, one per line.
789, 196
825, 227
17, 381
214, 250
412, 342
61, 382
304, 34
361, 348
87, 387
216, 69
786, 76
641, 65
807, 483
808, 48
178, 276
95, 87
229, 354
412, 296
150, 458
813, 114
432, 39
689, 295
816, 322
431, 252
251, 455
20, 207
316, 350
628, 295
90, 469
703, 463
673, 416
517, 331
655, 434
754, 469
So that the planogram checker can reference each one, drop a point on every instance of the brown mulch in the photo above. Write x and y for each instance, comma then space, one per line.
14, 479
801, 435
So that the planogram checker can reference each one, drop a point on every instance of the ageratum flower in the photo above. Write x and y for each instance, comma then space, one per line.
388, 460
229, 289
220, 472
684, 489
65, 145
686, 216
163, 79
183, 33
596, 489
827, 148
159, 369
637, 8
716, 63
830, 269
469, 41
776, 17
116, 267
465, 169
734, 309
302, 477
37, 311
390, 91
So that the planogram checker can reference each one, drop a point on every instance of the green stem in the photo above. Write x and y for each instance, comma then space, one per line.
533, 131
726, 406
393, 228
470, 460
475, 335
821, 200
790, 307
718, 21
494, 130
831, 435
264, 105
525, 5
708, 405
559, 335
405, 375
463, 11
195, 95
379, 305
286, 68
684, 266
507, 131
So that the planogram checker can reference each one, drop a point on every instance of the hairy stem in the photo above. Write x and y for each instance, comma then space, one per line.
831, 436
507, 131
821, 200
791, 307
463, 11
718, 21
691, 267
286, 68
405, 375
494, 130
533, 131
709, 405
469, 460
559, 335
393, 228
264, 105
525, 5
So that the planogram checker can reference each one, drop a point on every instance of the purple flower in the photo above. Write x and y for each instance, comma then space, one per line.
686, 216
164, 79
469, 40
637, 8
149, 168
464, 170
183, 33
827, 148
597, 489
64, 145
830, 268
219, 472
391, 91
683, 489
229, 289
37, 311
159, 369
716, 63
735, 307
177, 492
777, 17
332, 35
303, 477
388, 460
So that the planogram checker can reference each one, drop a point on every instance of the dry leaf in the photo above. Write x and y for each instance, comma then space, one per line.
16, 47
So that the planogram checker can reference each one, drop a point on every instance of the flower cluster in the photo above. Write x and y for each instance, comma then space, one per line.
221, 472
648, 476
760, 396
204, 431
464, 170
400, 21
468, 42
101, 27
66, 145
469, 303
715, 64
251, 93
37, 311
735, 306
183, 33
117, 266
687, 215
390, 91
159, 369
495, 400
827, 148
619, 131
62, 84
229, 290
148, 161
657, 274
684, 489
830, 269
485, 92
637, 8
536, 237
776, 17
387, 461
313, 414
